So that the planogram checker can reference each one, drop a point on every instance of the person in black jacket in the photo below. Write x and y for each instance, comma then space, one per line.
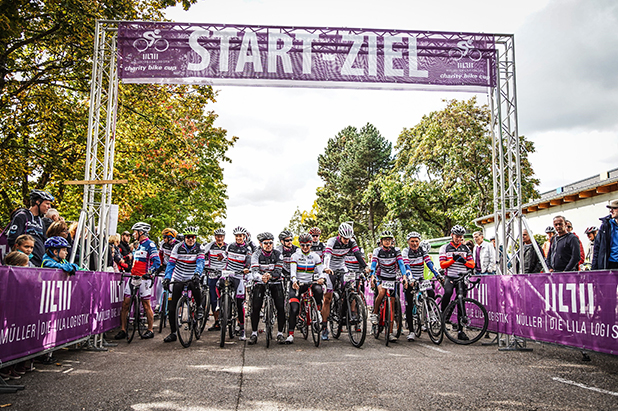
532, 262
125, 251
564, 250
605, 253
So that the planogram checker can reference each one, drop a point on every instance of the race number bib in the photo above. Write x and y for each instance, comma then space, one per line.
136, 281
388, 285
349, 277
425, 285
316, 277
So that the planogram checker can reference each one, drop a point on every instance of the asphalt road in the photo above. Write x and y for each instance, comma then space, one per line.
152, 375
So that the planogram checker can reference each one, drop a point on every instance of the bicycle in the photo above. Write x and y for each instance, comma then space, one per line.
390, 317
134, 320
465, 48
426, 312
350, 306
151, 38
465, 320
308, 313
166, 297
228, 310
205, 289
187, 323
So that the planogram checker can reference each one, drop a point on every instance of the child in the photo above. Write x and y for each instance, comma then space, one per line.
24, 244
56, 250
16, 258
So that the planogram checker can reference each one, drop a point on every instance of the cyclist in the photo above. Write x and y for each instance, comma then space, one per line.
390, 262
455, 259
591, 233
239, 261
145, 262
250, 243
216, 258
334, 260
286, 248
317, 246
303, 265
56, 250
30, 221
415, 257
266, 271
186, 262
169, 241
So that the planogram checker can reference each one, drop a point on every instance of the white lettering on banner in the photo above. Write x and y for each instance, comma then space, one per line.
372, 58
551, 296
224, 53
55, 302
200, 50
413, 60
529, 321
307, 39
116, 291
347, 69
62, 323
282, 53
390, 54
249, 40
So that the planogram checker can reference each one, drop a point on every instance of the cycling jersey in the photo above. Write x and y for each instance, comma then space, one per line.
415, 261
184, 262
351, 262
238, 258
212, 251
24, 222
266, 263
455, 268
146, 258
318, 248
166, 250
335, 252
390, 262
304, 266
286, 255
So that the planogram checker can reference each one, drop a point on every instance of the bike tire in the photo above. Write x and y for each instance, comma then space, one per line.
334, 319
205, 306
357, 327
468, 323
268, 321
223, 318
433, 321
416, 321
397, 318
314, 323
163, 312
387, 319
231, 322
132, 318
141, 327
303, 321
184, 321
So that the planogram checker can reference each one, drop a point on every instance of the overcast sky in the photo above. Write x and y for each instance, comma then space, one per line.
567, 75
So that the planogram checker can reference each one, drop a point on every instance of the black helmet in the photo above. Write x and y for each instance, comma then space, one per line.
285, 234
305, 238
458, 230
265, 236
40, 195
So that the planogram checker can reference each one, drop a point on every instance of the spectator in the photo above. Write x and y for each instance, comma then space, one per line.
16, 258
564, 249
569, 227
532, 262
73, 231
58, 229
56, 251
114, 256
591, 232
484, 255
24, 244
550, 231
605, 254
30, 221
51, 216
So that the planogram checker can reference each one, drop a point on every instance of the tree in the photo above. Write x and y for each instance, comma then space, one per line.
350, 163
442, 174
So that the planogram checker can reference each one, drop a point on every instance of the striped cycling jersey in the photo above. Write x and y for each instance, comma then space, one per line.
303, 266
286, 255
335, 252
351, 262
318, 248
238, 258
387, 259
212, 251
185, 261
146, 258
416, 260
165, 250
448, 251
266, 263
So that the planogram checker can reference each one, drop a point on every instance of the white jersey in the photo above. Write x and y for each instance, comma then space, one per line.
303, 266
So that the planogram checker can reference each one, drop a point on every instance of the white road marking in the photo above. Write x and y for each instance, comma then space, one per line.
577, 384
435, 348
67, 371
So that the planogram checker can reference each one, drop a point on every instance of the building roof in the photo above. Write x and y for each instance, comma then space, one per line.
603, 183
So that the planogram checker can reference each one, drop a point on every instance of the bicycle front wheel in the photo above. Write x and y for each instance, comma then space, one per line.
223, 317
268, 320
184, 321
334, 319
205, 307
133, 319
303, 319
315, 323
357, 321
388, 319
397, 318
433, 321
466, 322
163, 312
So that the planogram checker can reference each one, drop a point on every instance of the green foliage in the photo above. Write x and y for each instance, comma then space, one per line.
541, 239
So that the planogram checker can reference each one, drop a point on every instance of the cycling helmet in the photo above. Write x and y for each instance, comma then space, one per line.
285, 234
219, 231
458, 230
386, 234
169, 232
143, 227
180, 237
265, 236
240, 230
550, 229
248, 235
40, 195
315, 231
413, 234
425, 246
346, 230
591, 230
57, 242
305, 238
191, 230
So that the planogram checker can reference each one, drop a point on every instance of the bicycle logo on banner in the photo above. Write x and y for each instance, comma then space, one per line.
150, 39
465, 49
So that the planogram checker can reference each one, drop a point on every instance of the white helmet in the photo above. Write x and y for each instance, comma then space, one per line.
141, 226
346, 230
240, 230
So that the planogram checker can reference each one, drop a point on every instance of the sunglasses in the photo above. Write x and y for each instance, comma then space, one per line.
190, 237
613, 208
314, 235
267, 242
305, 244
287, 240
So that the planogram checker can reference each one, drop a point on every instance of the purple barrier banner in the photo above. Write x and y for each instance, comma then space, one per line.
44, 308
216, 54
574, 309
